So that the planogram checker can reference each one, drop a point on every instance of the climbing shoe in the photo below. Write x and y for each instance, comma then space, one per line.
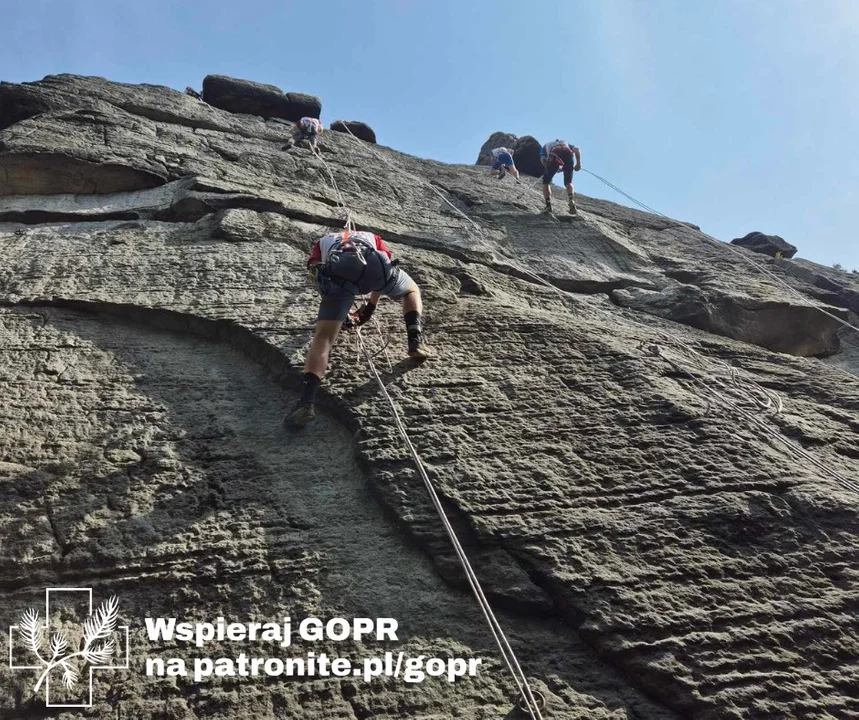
501, 173
548, 208
300, 415
572, 207
417, 350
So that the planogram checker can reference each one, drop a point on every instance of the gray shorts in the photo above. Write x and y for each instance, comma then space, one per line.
337, 302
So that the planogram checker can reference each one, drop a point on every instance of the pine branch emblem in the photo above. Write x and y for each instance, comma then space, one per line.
98, 646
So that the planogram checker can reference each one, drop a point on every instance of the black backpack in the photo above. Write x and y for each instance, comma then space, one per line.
357, 266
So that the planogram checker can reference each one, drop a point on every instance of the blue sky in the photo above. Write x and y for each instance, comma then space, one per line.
737, 115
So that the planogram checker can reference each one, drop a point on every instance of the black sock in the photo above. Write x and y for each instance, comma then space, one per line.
309, 388
413, 325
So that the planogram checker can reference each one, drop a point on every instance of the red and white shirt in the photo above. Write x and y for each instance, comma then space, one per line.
322, 247
555, 146
310, 125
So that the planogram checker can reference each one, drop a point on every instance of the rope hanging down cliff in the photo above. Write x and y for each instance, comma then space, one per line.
528, 697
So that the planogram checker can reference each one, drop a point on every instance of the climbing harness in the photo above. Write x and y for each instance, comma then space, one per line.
527, 696
346, 263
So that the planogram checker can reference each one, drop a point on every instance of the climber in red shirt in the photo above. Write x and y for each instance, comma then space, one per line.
344, 265
309, 129
558, 155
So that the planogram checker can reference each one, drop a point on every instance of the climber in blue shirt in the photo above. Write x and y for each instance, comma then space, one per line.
503, 163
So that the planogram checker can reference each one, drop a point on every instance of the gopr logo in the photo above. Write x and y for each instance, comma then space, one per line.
69, 644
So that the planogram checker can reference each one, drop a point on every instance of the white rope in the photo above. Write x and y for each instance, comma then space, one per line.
350, 225
771, 396
438, 192
525, 693
793, 447
806, 300
494, 626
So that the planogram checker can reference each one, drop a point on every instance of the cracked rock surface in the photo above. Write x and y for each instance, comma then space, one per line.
651, 551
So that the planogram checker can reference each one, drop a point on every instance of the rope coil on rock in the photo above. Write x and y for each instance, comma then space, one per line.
527, 696
794, 448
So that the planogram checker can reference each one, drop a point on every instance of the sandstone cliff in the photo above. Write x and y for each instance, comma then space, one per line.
652, 552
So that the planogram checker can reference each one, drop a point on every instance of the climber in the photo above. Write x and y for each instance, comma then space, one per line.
343, 265
558, 155
503, 163
308, 128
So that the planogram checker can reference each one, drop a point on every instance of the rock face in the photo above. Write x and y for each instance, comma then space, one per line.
614, 457
252, 98
800, 331
526, 152
360, 130
770, 245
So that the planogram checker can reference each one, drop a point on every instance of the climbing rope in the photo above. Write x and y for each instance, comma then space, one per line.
771, 400
793, 447
526, 694
628, 197
532, 705
384, 338
341, 200
749, 391
737, 252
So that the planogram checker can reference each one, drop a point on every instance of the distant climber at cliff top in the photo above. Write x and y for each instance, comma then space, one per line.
503, 163
309, 129
344, 265
558, 155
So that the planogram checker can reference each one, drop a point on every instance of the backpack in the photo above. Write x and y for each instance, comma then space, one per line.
308, 125
348, 261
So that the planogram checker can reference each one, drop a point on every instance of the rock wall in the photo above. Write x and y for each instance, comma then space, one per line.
652, 553
526, 152
771, 245
360, 130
